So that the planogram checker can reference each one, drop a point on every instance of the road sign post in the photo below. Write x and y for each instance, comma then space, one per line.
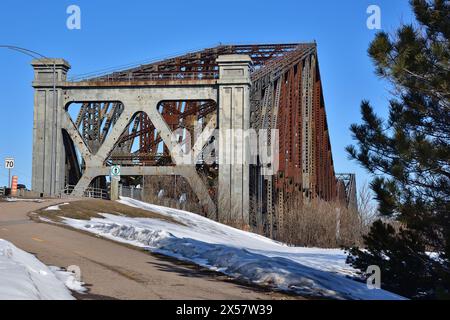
115, 172
9, 165
115, 179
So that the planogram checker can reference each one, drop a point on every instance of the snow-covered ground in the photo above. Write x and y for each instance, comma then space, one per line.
23, 200
24, 277
239, 254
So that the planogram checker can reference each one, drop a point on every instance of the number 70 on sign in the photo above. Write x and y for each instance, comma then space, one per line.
9, 163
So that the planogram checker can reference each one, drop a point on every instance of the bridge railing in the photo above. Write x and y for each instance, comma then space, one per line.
95, 193
131, 192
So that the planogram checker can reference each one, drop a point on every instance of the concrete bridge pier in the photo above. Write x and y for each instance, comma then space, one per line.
48, 149
234, 120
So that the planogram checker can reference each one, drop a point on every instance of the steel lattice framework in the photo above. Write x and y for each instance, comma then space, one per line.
286, 94
203, 64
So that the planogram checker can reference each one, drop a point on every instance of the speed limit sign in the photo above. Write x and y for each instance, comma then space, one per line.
9, 163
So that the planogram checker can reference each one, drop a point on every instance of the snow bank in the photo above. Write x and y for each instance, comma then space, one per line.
69, 279
23, 277
239, 254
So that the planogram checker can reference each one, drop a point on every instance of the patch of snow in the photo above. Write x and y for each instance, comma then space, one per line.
23, 200
24, 277
69, 279
239, 254
46, 220
183, 198
55, 208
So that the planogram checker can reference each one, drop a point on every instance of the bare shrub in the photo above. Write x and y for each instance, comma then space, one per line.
173, 192
367, 208
331, 224
255, 218
319, 223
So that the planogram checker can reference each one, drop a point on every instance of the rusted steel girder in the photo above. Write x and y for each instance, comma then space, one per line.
306, 168
176, 114
201, 64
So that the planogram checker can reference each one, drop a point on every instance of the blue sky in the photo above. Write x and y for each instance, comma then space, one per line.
114, 33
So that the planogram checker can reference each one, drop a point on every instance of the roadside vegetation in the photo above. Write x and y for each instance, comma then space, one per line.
408, 156
322, 224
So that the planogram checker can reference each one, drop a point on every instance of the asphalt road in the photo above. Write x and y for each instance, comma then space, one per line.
112, 270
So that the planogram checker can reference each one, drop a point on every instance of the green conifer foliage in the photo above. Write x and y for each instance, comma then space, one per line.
408, 155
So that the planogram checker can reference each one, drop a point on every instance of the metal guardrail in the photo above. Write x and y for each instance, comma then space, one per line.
205, 75
131, 192
130, 66
95, 193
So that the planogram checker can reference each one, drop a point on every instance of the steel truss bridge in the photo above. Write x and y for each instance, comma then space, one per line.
281, 89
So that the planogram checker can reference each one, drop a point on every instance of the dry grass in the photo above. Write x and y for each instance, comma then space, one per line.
322, 224
90, 208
